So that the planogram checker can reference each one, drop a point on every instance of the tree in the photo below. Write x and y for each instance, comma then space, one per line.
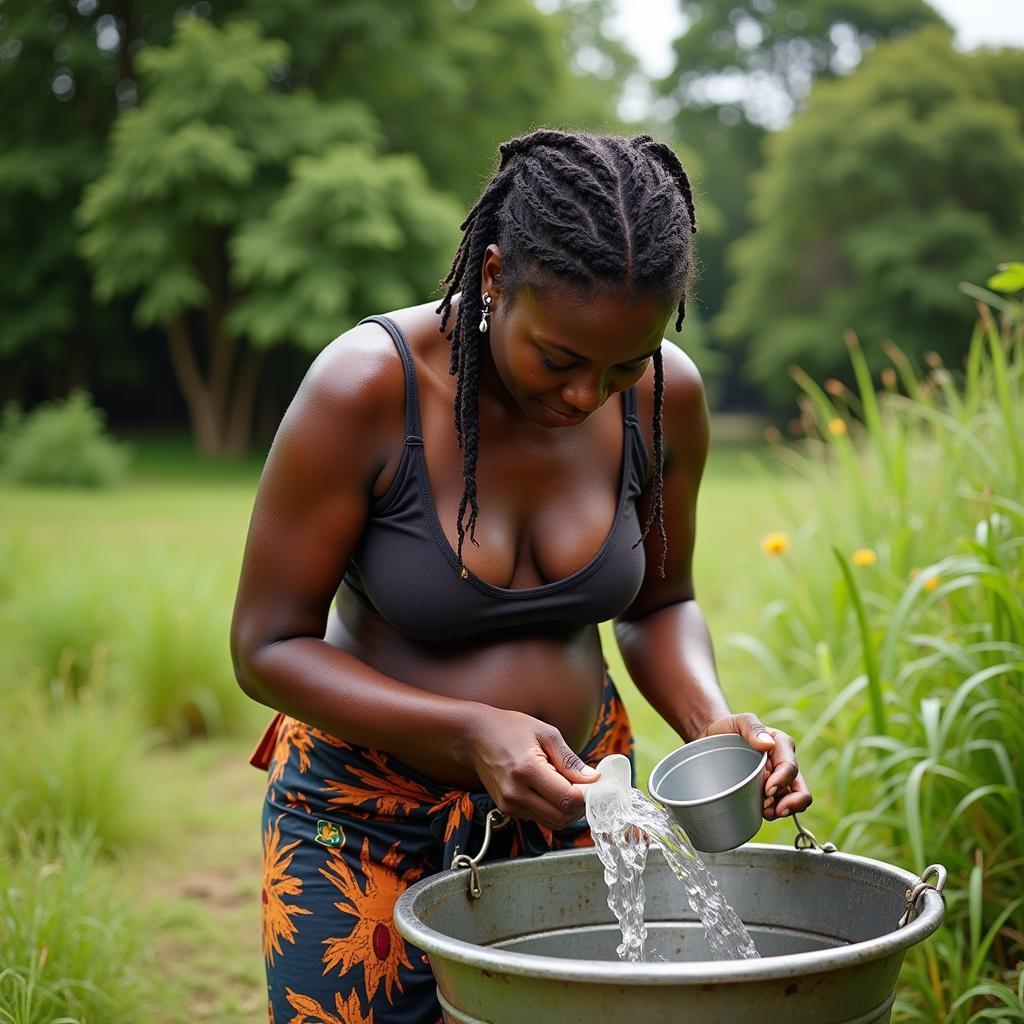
188, 216
450, 79
893, 185
757, 59
65, 69
742, 67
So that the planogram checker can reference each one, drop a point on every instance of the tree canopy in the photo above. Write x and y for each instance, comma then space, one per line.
893, 185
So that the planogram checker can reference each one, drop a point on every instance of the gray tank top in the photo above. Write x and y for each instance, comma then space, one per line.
405, 569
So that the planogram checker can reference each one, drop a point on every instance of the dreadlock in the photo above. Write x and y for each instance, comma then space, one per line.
595, 210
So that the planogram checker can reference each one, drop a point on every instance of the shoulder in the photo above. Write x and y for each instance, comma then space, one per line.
359, 374
349, 408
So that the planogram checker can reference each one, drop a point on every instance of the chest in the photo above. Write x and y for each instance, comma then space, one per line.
547, 504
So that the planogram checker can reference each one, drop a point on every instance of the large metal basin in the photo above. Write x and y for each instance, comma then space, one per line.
539, 943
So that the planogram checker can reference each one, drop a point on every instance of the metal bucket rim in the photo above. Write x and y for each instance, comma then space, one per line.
652, 786
708, 972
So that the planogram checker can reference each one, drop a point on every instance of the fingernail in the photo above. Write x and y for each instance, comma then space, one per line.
763, 737
782, 814
587, 770
770, 791
768, 802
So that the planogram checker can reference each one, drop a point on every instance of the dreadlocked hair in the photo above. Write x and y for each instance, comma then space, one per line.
596, 211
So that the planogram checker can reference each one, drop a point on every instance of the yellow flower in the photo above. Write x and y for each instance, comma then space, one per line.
837, 427
864, 556
775, 544
930, 584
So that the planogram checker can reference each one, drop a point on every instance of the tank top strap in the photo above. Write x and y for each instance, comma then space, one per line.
629, 403
412, 405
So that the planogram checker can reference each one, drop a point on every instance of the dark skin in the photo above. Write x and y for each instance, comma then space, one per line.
505, 714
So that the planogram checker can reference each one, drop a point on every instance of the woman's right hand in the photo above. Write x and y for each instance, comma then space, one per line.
528, 768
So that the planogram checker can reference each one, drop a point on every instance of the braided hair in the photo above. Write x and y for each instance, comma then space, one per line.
593, 210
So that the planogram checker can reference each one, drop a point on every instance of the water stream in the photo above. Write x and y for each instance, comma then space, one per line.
625, 823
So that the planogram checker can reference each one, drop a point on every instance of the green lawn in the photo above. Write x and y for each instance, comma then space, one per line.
198, 874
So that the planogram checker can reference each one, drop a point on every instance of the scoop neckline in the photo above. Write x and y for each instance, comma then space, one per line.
514, 593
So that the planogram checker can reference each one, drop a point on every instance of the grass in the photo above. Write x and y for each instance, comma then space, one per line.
892, 642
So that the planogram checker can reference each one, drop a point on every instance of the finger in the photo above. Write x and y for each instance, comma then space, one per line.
781, 778
796, 800
564, 759
560, 807
747, 725
782, 763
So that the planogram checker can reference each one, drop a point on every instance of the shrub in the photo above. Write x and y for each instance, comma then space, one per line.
172, 654
70, 942
893, 641
62, 444
73, 759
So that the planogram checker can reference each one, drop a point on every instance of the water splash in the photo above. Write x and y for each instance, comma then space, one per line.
625, 823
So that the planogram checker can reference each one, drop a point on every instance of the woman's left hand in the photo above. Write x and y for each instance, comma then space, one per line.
785, 791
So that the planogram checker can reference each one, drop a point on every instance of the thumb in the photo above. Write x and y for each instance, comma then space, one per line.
750, 727
568, 763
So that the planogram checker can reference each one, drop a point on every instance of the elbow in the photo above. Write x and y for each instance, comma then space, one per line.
245, 650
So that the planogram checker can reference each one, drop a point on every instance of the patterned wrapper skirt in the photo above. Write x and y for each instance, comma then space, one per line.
346, 829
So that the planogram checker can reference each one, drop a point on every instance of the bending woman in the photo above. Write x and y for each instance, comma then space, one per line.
472, 557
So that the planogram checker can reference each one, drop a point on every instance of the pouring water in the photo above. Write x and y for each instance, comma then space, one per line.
625, 823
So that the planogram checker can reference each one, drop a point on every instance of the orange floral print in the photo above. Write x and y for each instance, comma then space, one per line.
291, 734
617, 732
349, 1010
294, 733
374, 941
396, 794
277, 883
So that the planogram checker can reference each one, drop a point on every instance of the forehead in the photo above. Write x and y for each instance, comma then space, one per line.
608, 326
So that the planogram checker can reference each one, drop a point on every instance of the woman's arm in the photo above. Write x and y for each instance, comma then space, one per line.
338, 436
663, 637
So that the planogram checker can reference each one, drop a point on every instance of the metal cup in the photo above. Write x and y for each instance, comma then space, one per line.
713, 788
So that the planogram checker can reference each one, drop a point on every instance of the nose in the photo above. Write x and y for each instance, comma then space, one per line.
585, 393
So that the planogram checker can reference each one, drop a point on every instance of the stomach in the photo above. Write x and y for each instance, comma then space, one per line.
556, 676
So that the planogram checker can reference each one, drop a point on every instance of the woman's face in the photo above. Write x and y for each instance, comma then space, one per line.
562, 354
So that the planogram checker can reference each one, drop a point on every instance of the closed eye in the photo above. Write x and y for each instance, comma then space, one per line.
552, 365
642, 365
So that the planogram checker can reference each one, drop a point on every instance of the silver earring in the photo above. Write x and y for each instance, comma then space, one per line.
486, 312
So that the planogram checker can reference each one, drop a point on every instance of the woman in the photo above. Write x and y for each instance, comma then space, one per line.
454, 677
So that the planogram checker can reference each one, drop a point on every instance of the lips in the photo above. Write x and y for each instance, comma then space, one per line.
565, 418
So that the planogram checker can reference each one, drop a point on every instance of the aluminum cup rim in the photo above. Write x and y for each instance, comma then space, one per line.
705, 800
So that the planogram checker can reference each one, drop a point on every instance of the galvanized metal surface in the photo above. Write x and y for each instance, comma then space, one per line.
539, 945
713, 788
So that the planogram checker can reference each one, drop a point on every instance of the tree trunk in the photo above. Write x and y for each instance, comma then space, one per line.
239, 428
202, 413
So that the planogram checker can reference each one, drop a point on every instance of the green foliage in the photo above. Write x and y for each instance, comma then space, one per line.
194, 213
73, 759
891, 186
781, 47
448, 81
171, 653
353, 230
902, 675
208, 148
61, 444
146, 630
71, 946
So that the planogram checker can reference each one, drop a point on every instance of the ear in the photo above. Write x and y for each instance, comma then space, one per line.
490, 272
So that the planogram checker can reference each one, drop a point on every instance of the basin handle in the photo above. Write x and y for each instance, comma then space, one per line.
913, 894
495, 820
805, 840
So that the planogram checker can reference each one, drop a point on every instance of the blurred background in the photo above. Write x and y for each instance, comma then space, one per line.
196, 198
